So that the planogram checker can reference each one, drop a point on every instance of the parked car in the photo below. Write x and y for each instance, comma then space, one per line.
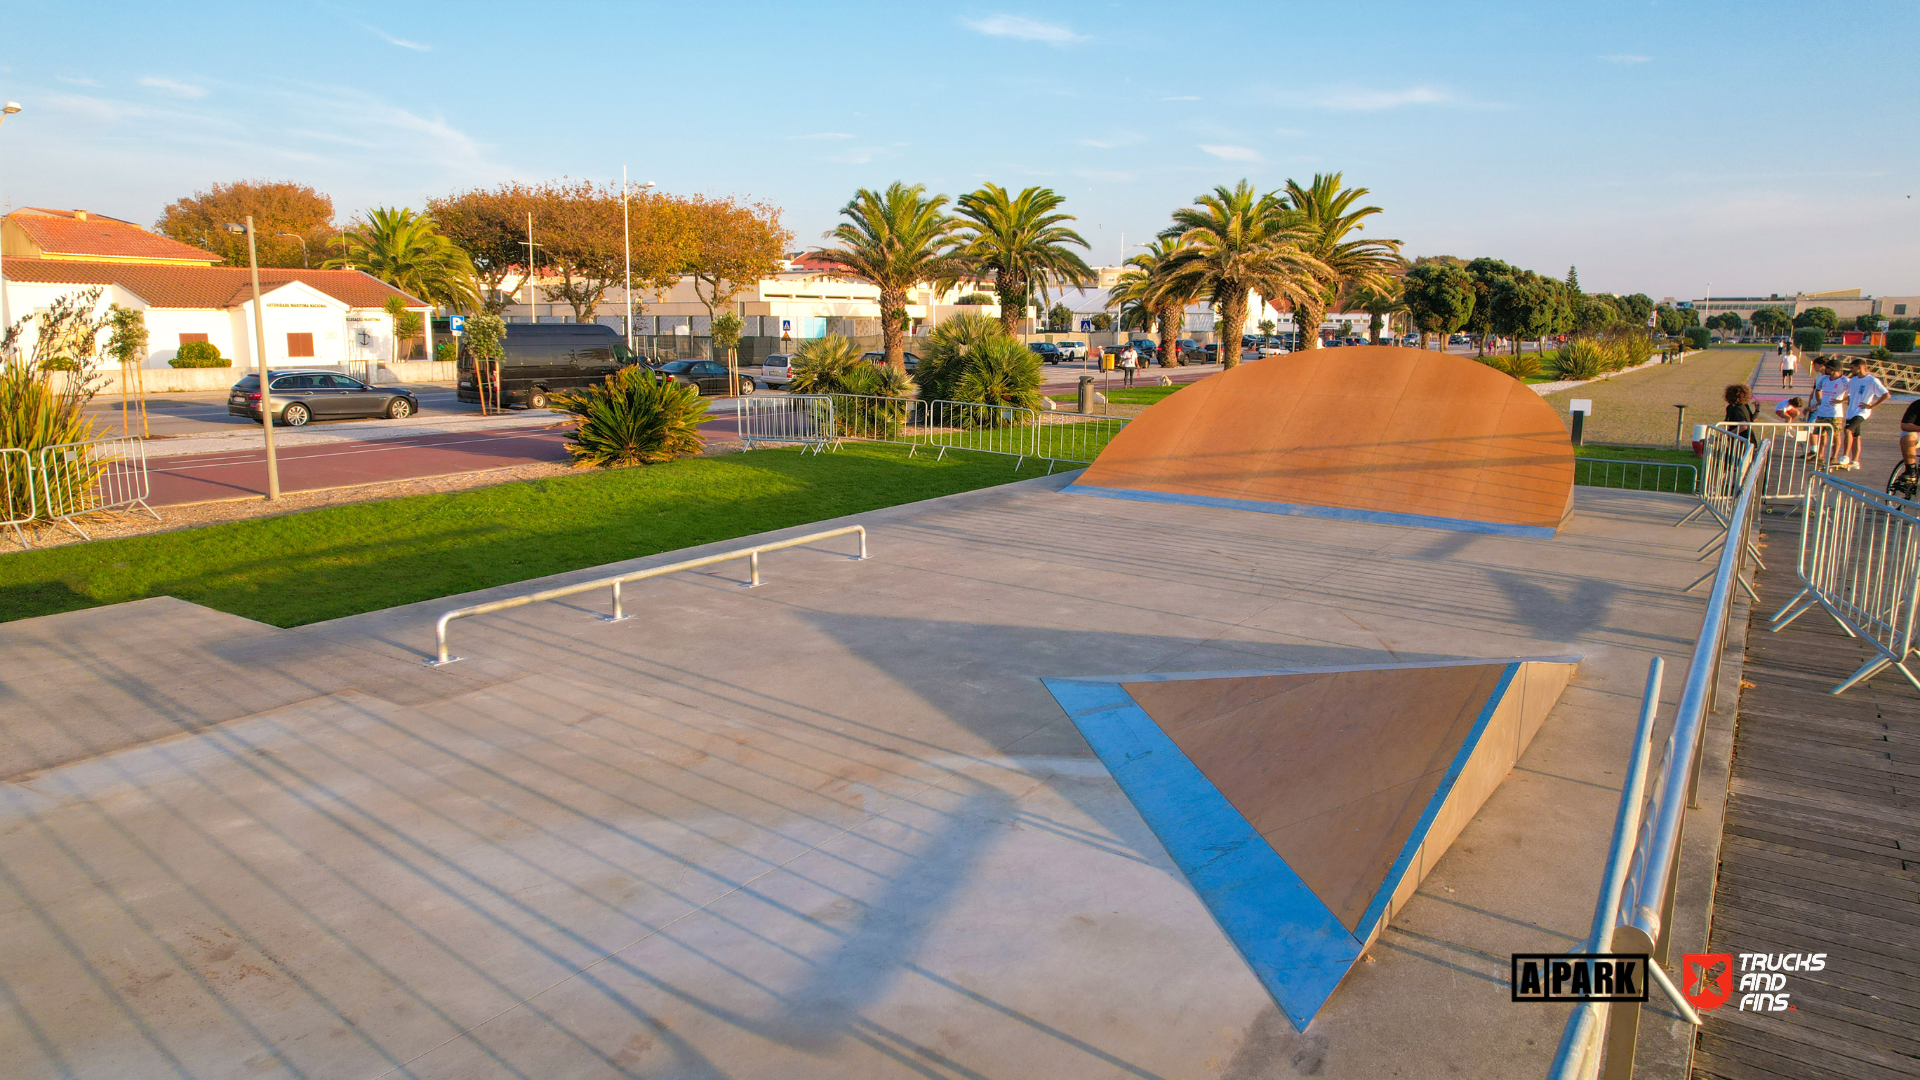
1072, 350
1147, 351
540, 358
706, 376
1271, 347
300, 396
776, 370
1047, 351
881, 358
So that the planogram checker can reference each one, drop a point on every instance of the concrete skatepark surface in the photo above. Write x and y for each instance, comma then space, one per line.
833, 826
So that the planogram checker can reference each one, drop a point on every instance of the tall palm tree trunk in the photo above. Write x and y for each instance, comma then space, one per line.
1013, 304
1169, 317
1306, 317
893, 324
1233, 317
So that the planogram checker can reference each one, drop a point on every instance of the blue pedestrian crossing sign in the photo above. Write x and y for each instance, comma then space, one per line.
1086, 326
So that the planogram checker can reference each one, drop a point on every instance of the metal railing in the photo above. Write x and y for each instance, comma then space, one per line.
17, 505
802, 419
1860, 560
90, 477
1632, 475
1634, 912
1800, 452
1730, 461
751, 554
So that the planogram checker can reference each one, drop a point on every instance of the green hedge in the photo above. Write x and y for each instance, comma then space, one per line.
1809, 339
1899, 341
199, 354
1698, 337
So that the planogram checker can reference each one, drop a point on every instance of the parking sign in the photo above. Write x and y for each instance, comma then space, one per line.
457, 325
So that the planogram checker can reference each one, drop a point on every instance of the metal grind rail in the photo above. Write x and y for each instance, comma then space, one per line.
1860, 560
1634, 911
751, 554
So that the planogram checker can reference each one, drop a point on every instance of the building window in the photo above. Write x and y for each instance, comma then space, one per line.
1899, 309
184, 338
299, 345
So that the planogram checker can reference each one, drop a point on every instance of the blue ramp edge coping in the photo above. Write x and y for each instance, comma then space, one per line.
1296, 946
1374, 517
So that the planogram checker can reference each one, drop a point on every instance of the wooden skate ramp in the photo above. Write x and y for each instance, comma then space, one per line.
1369, 433
1306, 806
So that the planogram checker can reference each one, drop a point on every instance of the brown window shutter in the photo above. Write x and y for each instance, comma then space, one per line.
299, 345
184, 338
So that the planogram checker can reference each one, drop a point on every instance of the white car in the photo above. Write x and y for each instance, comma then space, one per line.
1272, 348
1072, 350
776, 370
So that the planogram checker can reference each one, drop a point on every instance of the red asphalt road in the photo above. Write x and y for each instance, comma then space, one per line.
243, 473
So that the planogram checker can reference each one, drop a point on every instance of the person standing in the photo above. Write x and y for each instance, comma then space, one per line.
1129, 360
1829, 409
1787, 363
1864, 392
1741, 410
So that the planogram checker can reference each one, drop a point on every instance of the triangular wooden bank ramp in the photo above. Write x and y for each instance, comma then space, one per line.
1306, 805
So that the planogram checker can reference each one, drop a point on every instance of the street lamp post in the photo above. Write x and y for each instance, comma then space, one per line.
303, 248
626, 236
6, 316
260, 357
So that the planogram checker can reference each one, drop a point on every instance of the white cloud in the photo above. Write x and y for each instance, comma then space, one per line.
1370, 99
391, 40
1626, 58
180, 89
77, 80
823, 135
1182, 97
1110, 142
1231, 153
1023, 29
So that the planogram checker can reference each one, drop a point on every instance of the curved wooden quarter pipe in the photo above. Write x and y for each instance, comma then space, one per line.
1373, 433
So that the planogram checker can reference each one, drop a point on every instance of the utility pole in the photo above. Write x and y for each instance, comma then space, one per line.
260, 358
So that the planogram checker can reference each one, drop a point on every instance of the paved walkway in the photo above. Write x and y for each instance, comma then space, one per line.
1818, 853
1637, 409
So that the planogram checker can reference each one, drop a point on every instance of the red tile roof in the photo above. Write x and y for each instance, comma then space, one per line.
203, 286
64, 232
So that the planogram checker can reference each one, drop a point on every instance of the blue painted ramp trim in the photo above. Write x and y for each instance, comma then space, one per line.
1376, 517
1293, 942
1377, 910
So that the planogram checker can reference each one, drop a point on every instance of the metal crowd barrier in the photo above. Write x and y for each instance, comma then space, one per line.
1634, 912
751, 554
1800, 452
803, 419
89, 477
17, 506
1860, 560
1667, 476
1730, 460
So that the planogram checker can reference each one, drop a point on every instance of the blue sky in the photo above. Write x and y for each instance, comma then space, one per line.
1661, 147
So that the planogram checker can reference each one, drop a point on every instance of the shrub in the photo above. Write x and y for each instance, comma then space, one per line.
1001, 373
1582, 358
822, 365
1698, 337
634, 418
33, 412
975, 298
1878, 353
879, 397
1900, 340
1809, 339
445, 351
1524, 366
195, 354
941, 361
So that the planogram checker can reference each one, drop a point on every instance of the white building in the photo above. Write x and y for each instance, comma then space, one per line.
323, 318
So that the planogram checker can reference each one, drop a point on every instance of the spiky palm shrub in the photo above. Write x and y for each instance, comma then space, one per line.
1000, 374
1524, 366
878, 398
1581, 358
943, 359
634, 419
821, 365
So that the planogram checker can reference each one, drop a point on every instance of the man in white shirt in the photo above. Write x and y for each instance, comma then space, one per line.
1863, 393
1829, 408
1787, 364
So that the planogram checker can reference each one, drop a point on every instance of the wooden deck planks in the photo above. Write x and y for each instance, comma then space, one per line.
1820, 852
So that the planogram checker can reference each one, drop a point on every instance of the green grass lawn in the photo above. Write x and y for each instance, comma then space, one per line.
1635, 477
343, 560
1128, 395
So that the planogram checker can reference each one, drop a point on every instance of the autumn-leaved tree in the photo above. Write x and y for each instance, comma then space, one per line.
893, 240
490, 225
278, 208
730, 246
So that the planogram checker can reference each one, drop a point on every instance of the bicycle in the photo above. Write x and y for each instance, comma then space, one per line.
1904, 483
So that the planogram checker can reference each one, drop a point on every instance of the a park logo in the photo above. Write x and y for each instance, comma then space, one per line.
1579, 977
1706, 979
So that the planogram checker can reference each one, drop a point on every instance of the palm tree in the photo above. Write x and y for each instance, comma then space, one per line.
1231, 242
894, 240
407, 251
1147, 297
1329, 213
1379, 302
1022, 242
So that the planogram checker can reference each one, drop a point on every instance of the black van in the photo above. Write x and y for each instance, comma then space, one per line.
543, 357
